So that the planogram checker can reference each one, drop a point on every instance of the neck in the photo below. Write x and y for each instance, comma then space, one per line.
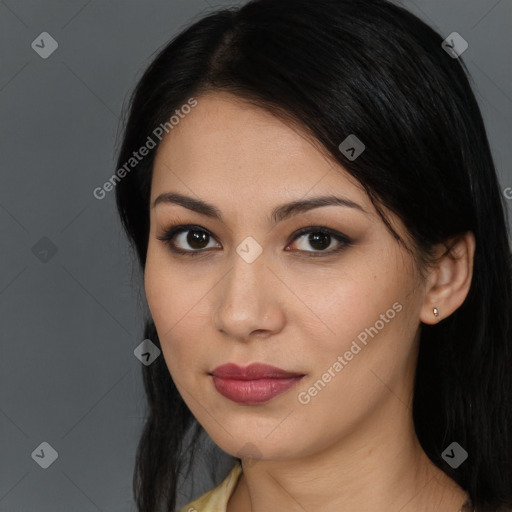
376, 467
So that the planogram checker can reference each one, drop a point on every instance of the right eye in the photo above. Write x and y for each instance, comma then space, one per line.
194, 236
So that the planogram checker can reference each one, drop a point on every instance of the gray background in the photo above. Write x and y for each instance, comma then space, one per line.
70, 321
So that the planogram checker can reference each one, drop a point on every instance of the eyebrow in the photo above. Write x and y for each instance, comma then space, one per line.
278, 214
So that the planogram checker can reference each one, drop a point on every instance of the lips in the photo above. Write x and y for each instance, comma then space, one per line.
253, 384
252, 372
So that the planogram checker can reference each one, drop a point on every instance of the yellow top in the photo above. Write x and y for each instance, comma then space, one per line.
216, 499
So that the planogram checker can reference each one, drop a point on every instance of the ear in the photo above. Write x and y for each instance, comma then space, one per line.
450, 278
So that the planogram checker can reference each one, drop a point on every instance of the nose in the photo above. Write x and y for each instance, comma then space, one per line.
247, 301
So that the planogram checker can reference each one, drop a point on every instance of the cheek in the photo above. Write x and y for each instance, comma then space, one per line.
178, 308
366, 321
170, 293
355, 365
345, 305
165, 304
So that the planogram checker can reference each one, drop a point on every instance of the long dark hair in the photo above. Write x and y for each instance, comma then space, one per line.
369, 68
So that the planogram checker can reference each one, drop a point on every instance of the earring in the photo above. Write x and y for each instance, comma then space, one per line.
436, 312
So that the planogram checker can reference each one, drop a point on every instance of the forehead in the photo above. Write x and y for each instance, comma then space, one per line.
228, 148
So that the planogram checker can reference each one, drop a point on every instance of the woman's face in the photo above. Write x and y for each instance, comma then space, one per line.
251, 289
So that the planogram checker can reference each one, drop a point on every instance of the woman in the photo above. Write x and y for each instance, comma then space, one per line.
314, 205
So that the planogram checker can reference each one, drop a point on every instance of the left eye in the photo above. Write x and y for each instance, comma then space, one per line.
319, 238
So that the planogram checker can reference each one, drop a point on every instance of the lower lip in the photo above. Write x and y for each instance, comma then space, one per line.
253, 391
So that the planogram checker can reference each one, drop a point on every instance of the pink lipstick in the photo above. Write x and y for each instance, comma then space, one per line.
253, 384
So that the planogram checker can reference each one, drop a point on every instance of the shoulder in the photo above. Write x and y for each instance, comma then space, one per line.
216, 499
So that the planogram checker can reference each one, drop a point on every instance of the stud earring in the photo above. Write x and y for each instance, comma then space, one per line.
436, 312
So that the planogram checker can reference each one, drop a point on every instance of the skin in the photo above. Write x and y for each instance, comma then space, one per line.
352, 448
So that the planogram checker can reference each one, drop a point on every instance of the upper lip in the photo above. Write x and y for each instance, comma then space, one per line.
252, 372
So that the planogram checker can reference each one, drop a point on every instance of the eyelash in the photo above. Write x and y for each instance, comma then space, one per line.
171, 232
